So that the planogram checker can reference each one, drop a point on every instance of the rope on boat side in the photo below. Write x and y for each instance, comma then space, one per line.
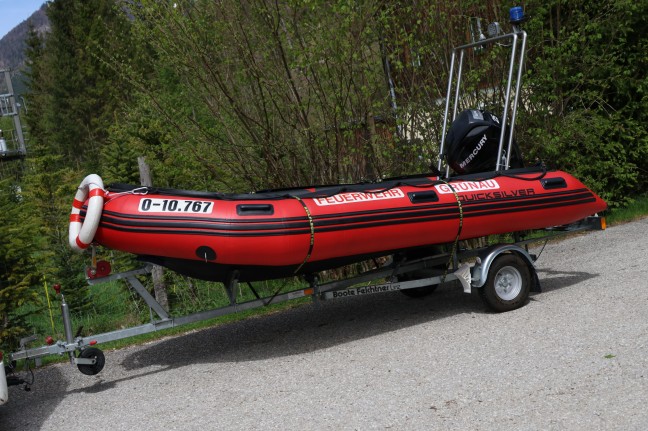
312, 233
456, 241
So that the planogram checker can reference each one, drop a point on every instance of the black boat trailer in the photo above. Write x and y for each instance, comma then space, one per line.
503, 274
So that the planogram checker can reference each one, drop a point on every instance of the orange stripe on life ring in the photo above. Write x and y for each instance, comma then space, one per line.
96, 192
80, 243
91, 193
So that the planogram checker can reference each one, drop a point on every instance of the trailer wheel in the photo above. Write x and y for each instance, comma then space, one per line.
97, 355
508, 284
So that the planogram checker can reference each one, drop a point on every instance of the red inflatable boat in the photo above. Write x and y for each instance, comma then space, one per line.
278, 233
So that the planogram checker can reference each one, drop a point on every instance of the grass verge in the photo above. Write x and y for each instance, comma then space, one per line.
638, 209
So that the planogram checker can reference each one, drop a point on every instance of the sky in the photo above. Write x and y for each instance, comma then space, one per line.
13, 12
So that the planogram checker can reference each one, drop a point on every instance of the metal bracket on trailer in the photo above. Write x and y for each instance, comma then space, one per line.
344, 288
387, 287
131, 278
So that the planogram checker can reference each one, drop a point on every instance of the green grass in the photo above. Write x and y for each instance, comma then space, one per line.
635, 211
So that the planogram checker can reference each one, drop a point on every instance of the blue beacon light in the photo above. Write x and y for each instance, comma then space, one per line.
516, 14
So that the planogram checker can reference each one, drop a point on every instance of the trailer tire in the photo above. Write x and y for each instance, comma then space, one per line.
92, 353
508, 284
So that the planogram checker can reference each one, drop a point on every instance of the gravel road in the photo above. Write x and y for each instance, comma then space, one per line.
574, 358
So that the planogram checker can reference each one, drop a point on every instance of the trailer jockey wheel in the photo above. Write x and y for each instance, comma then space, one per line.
508, 284
92, 353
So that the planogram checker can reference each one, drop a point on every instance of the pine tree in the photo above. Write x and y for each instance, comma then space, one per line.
18, 271
73, 97
36, 80
49, 188
80, 91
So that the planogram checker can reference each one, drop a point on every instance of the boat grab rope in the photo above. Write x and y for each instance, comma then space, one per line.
312, 233
142, 191
456, 241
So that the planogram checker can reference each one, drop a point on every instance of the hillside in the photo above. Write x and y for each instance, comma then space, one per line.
12, 45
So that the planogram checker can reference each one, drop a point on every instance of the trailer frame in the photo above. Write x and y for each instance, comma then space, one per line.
470, 267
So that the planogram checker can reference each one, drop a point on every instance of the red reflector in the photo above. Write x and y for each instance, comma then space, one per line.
49, 340
93, 342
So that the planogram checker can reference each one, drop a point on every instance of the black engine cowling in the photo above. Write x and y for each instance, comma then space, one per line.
472, 143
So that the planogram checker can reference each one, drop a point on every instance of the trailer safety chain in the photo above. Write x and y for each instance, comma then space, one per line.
312, 233
13, 380
456, 241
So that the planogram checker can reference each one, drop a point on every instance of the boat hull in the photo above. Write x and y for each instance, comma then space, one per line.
278, 233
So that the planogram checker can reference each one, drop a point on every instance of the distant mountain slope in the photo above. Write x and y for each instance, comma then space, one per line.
12, 45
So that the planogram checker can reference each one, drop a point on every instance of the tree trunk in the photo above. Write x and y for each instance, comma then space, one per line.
157, 274
193, 292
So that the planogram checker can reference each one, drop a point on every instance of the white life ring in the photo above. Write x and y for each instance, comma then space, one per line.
82, 234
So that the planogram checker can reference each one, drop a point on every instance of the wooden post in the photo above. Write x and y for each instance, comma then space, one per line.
157, 273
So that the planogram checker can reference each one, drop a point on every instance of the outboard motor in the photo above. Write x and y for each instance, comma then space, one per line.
472, 143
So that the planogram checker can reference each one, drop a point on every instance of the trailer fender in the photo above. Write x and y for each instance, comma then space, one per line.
486, 258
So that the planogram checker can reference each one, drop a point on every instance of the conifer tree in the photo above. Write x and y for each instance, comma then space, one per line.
80, 91
36, 79
73, 95
18, 270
